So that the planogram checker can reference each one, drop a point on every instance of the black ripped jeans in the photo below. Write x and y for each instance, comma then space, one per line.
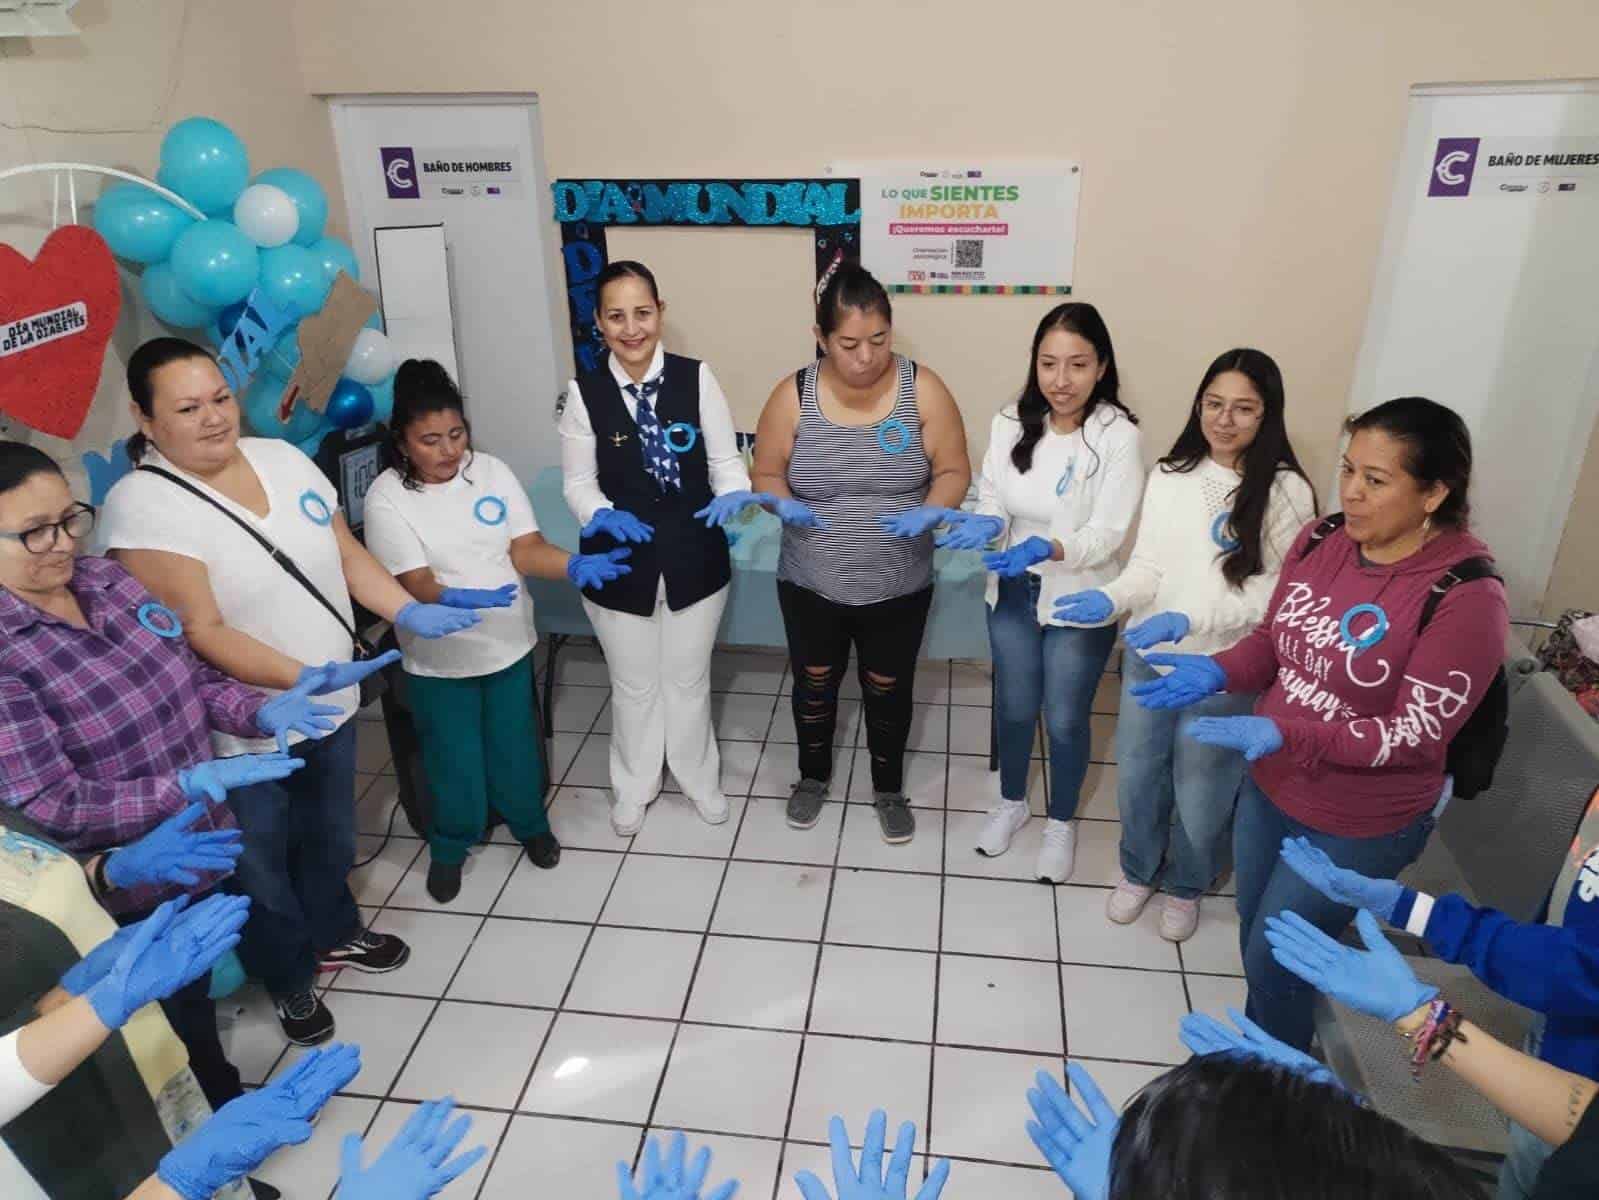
887, 637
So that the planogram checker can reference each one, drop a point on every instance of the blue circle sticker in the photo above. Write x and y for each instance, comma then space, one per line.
159, 620
490, 510
680, 437
315, 508
1218, 531
1365, 641
1065, 480
893, 436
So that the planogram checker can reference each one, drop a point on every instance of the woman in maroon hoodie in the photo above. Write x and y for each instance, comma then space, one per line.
1359, 700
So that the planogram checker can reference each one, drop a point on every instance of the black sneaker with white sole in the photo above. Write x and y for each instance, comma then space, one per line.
371, 952
305, 1019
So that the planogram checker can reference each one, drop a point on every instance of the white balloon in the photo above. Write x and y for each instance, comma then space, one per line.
371, 358
266, 215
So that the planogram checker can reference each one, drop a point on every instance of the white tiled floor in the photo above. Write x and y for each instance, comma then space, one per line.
746, 982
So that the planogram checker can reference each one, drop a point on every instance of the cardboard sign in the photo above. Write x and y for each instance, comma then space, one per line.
326, 339
56, 317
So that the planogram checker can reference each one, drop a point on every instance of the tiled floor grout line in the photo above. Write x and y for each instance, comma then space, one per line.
938, 957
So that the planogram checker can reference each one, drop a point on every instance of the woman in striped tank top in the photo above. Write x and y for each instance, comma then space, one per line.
876, 449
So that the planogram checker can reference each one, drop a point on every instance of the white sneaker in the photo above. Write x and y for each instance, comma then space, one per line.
1179, 918
1059, 853
627, 817
1004, 819
1127, 901
712, 810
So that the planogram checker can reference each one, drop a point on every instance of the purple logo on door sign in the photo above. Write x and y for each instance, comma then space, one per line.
399, 173
1452, 166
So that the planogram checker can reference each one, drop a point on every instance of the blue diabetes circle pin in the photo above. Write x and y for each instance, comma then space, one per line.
490, 510
894, 436
1218, 531
315, 508
1365, 641
159, 620
680, 437
1065, 480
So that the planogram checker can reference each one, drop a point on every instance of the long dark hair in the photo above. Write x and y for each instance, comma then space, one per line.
1437, 449
1032, 409
1221, 1126
422, 387
20, 462
1268, 454
142, 365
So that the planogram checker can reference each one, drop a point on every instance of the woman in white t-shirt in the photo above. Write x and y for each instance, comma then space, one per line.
455, 526
1060, 485
209, 522
1220, 512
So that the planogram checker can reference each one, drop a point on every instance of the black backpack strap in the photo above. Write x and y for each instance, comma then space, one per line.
290, 567
1480, 567
1324, 528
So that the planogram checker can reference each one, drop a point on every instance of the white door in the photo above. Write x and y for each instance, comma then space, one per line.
476, 165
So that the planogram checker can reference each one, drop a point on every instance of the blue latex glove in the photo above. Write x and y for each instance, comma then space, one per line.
211, 780
597, 570
416, 1164
500, 597
1192, 678
293, 712
333, 677
1076, 1144
725, 507
794, 512
1010, 563
970, 531
173, 947
1162, 627
623, 526
172, 853
1340, 884
92, 967
245, 1131
433, 620
919, 520
1204, 1034
1376, 981
871, 1181
1256, 737
671, 1179
1084, 608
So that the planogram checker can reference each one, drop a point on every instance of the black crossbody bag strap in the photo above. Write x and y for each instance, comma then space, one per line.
362, 650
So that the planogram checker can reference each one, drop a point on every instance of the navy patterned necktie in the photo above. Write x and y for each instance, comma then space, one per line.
658, 460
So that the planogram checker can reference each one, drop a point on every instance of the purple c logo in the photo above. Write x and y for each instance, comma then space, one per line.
1452, 166
399, 173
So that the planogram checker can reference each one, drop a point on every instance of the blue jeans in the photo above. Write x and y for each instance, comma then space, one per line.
1052, 667
299, 844
1279, 1000
1160, 768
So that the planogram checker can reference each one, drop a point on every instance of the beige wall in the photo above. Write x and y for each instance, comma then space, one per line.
1237, 155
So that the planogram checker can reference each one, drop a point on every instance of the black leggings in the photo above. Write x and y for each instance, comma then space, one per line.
887, 637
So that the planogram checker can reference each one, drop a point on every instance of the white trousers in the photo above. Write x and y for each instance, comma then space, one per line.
660, 669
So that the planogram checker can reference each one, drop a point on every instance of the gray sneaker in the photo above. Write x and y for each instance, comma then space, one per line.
894, 815
805, 803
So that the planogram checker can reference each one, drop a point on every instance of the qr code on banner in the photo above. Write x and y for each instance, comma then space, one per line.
968, 252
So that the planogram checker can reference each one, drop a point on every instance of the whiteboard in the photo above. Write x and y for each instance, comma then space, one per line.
1485, 296
414, 288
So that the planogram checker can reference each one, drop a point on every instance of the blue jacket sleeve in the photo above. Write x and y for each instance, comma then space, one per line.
1548, 968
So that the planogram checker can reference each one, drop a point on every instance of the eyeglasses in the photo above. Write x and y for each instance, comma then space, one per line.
42, 539
1242, 414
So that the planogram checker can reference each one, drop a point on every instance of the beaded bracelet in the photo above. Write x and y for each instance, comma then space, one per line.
1439, 1030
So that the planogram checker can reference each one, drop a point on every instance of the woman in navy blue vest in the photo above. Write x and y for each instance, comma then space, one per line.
647, 444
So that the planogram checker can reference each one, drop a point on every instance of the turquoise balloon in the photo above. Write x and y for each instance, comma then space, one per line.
293, 277
336, 257
169, 302
350, 405
261, 410
310, 201
375, 321
309, 446
204, 162
138, 224
284, 357
382, 399
215, 263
